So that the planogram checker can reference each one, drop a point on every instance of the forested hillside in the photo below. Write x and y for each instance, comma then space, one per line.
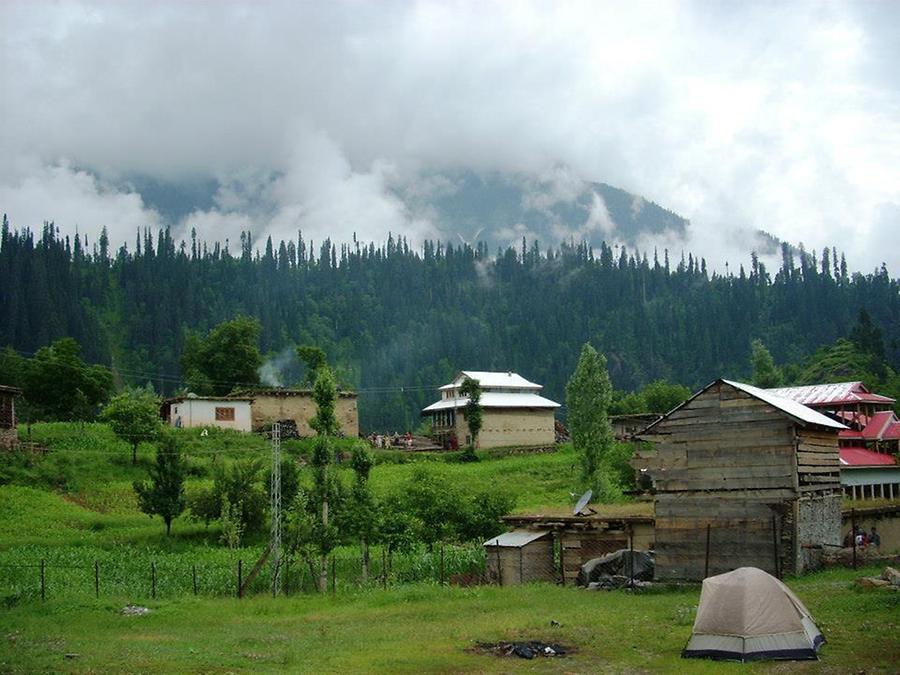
397, 321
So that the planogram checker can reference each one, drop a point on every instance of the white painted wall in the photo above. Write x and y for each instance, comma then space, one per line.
198, 412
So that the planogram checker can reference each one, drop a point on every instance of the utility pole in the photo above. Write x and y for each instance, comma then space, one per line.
276, 509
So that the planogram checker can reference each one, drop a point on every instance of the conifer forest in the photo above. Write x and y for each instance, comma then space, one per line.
397, 321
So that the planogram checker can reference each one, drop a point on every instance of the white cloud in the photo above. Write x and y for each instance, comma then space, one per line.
779, 117
76, 200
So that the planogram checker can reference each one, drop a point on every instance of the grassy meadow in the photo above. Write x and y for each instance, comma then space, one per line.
427, 628
74, 507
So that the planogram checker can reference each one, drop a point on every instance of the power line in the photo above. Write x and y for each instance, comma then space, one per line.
179, 379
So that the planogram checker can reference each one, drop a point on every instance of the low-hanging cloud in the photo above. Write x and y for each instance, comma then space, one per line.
316, 116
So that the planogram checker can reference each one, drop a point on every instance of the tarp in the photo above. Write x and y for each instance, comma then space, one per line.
749, 615
624, 562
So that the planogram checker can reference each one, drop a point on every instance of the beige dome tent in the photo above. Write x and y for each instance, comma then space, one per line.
749, 615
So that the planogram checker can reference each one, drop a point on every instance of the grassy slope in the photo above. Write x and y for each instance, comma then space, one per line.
427, 629
82, 490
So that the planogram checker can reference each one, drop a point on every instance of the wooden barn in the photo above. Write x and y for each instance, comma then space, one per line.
742, 478
520, 557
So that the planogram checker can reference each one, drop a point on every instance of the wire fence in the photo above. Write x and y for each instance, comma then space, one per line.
143, 575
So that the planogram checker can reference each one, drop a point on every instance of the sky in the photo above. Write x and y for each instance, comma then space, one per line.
311, 116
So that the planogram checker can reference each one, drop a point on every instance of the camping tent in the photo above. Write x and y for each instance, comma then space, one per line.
749, 615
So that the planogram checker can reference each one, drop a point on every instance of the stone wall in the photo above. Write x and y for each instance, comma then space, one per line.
300, 407
515, 427
818, 529
8, 438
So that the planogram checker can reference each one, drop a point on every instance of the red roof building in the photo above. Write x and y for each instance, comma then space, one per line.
869, 444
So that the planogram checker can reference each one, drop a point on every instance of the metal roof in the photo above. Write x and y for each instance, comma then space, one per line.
881, 426
791, 408
494, 380
853, 457
491, 399
516, 538
788, 406
831, 394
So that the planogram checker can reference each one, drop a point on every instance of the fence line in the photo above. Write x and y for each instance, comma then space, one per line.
156, 576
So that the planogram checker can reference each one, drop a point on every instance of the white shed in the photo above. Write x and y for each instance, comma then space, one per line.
209, 411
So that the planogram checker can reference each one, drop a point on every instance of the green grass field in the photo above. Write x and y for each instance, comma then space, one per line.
426, 628
75, 506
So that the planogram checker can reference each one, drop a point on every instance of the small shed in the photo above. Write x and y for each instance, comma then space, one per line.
8, 434
520, 557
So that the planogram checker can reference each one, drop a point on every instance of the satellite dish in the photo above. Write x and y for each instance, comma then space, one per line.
582, 504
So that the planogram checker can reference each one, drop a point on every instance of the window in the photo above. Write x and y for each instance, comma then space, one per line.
224, 414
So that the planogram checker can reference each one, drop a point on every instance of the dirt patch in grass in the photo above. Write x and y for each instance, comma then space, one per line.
523, 649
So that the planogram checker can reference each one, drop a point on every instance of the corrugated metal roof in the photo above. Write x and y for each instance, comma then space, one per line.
494, 400
516, 538
493, 379
831, 394
865, 457
790, 407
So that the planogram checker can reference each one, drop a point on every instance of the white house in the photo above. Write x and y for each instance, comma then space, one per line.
513, 412
208, 411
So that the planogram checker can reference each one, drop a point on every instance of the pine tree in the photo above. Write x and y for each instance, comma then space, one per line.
765, 373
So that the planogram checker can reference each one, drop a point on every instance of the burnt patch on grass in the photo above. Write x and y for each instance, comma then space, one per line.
525, 649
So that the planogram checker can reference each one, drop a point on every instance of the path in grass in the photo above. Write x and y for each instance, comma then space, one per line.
427, 629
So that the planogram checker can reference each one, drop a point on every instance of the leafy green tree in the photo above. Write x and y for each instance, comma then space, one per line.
325, 424
163, 495
238, 485
59, 385
627, 403
314, 359
362, 513
12, 367
226, 358
765, 373
474, 415
588, 395
662, 396
133, 416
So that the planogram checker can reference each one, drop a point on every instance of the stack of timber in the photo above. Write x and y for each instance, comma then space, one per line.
741, 481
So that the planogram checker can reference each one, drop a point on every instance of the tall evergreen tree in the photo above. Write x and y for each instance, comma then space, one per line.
588, 397
765, 373
471, 389
326, 425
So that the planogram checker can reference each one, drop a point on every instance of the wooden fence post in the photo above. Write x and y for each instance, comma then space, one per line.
240, 580
333, 575
775, 547
706, 565
853, 534
631, 555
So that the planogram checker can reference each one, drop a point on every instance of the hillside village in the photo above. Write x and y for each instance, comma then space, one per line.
449, 337
756, 465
